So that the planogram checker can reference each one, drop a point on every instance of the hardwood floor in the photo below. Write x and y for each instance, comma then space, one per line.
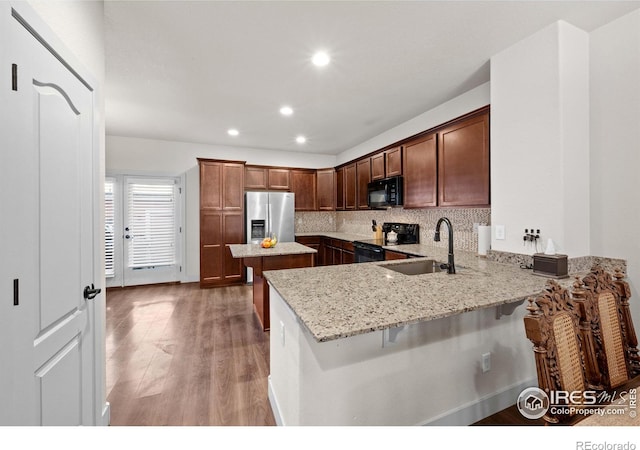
181, 355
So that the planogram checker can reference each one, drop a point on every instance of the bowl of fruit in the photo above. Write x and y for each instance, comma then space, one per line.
269, 242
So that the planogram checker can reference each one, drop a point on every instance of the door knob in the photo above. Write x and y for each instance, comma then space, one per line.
90, 292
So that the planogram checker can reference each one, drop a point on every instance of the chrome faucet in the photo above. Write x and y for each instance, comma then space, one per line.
450, 266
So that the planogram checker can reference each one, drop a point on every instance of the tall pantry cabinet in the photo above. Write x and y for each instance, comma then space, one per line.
221, 221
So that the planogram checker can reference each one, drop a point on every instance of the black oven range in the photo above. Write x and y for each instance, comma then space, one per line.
393, 233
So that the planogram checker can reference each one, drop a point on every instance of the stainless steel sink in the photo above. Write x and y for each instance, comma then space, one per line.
415, 267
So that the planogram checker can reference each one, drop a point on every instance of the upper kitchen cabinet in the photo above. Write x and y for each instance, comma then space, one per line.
303, 185
363, 174
420, 172
463, 162
393, 160
340, 191
386, 164
232, 187
221, 185
267, 178
255, 177
326, 189
279, 178
210, 184
378, 166
350, 186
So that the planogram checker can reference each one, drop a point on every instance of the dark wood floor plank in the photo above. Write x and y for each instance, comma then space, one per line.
180, 355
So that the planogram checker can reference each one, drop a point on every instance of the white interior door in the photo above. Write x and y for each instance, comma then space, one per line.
47, 234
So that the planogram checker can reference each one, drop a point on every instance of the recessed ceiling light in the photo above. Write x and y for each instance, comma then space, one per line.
301, 139
232, 132
320, 59
286, 110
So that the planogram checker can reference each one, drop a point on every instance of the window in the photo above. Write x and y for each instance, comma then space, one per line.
151, 223
109, 227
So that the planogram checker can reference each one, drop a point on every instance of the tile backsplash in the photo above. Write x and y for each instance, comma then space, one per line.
359, 222
311, 221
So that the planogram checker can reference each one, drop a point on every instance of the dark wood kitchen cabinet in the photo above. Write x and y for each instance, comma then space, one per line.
393, 160
333, 251
390, 255
261, 264
330, 250
340, 189
348, 253
378, 166
314, 242
336, 251
221, 221
326, 189
420, 172
303, 185
278, 178
363, 174
350, 186
255, 178
463, 163
386, 164
267, 178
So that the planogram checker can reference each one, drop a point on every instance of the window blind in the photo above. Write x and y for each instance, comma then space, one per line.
151, 221
109, 227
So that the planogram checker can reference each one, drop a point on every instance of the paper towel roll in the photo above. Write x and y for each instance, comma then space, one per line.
551, 248
484, 239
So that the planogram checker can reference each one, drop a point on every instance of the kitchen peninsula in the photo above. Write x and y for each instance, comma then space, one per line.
285, 255
361, 344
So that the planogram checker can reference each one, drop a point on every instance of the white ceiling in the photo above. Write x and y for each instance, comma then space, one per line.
188, 71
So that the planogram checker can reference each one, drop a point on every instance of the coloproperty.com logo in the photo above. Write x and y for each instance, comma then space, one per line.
533, 403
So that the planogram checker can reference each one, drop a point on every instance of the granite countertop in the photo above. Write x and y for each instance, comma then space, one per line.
337, 235
281, 248
345, 300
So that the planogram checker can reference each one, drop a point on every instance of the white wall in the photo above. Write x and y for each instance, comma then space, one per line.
174, 158
615, 137
456, 107
540, 140
80, 25
147, 156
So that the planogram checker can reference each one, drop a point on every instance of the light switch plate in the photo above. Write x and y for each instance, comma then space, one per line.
500, 232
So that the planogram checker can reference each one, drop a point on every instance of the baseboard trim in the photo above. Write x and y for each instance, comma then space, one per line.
274, 403
481, 408
462, 416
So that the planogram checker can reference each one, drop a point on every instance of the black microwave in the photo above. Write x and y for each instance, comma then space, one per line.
385, 193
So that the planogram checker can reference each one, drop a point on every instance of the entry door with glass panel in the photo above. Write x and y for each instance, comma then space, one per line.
149, 250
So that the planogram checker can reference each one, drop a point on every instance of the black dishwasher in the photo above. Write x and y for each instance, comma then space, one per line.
366, 251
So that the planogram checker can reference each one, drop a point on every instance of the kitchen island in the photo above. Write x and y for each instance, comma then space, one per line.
361, 344
285, 255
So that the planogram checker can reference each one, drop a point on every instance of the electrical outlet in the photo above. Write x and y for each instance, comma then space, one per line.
486, 362
500, 232
475, 227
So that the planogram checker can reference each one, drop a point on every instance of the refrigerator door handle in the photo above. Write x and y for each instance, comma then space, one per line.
269, 225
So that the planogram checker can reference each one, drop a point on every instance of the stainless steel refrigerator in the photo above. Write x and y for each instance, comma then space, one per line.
268, 213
